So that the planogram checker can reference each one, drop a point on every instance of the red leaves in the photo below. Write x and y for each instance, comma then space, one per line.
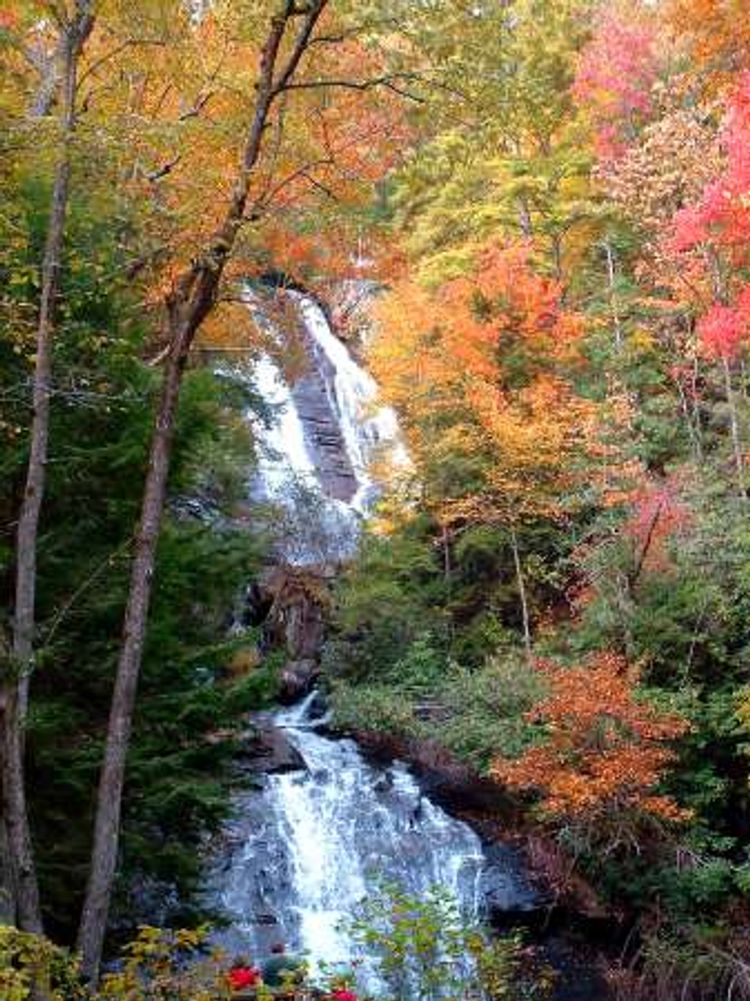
658, 515
722, 214
615, 74
605, 750
717, 230
243, 978
721, 331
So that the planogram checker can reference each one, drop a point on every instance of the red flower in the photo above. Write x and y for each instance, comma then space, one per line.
343, 995
243, 977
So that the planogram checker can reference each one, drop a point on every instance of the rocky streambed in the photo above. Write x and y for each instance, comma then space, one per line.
325, 819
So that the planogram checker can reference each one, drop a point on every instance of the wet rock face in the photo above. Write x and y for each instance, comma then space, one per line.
293, 602
297, 679
317, 410
506, 891
269, 751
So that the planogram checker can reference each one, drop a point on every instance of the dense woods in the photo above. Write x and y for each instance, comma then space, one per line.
544, 208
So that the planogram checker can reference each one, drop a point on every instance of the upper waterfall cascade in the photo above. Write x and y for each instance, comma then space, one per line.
325, 431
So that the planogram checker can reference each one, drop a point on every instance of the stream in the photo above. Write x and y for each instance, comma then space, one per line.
309, 842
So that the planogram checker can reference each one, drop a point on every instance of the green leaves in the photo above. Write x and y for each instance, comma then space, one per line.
427, 950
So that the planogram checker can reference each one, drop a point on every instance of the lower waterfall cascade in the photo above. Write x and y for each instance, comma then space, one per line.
307, 844
305, 849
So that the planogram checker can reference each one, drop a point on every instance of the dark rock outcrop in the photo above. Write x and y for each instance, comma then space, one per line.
453, 785
506, 895
297, 679
295, 620
268, 751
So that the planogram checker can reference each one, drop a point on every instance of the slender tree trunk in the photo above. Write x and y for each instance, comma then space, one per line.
524, 219
109, 804
611, 274
693, 434
15, 694
446, 540
696, 409
188, 304
7, 892
521, 594
735, 428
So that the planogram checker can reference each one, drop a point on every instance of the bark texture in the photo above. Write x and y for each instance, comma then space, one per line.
15, 694
187, 305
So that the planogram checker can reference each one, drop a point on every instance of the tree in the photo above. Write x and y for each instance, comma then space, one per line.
75, 28
717, 35
616, 71
486, 389
505, 158
603, 751
711, 236
193, 289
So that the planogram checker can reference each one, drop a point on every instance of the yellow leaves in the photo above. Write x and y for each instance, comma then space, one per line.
476, 371
641, 341
170, 961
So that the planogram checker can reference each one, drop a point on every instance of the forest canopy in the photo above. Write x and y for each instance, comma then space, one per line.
531, 221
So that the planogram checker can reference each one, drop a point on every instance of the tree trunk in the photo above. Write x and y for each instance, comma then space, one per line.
15, 694
693, 432
7, 893
611, 276
521, 594
735, 429
187, 305
446, 554
109, 803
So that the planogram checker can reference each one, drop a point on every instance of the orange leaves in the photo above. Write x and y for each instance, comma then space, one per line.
504, 303
605, 751
478, 370
719, 33
173, 100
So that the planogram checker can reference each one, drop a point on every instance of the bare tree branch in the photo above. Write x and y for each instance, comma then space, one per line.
389, 81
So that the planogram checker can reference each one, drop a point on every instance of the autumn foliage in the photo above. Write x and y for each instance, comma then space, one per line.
484, 372
604, 751
616, 71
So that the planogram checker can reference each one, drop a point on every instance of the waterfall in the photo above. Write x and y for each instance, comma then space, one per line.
351, 392
306, 845
325, 430
309, 845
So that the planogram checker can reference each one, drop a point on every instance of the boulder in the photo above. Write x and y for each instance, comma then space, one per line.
295, 620
506, 889
297, 678
269, 751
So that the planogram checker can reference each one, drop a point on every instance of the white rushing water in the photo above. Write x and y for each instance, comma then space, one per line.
306, 845
313, 523
309, 846
282, 450
352, 392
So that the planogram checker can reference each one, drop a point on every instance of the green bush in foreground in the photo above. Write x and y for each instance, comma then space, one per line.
420, 949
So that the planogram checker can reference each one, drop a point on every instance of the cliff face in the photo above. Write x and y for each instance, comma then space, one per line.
314, 396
